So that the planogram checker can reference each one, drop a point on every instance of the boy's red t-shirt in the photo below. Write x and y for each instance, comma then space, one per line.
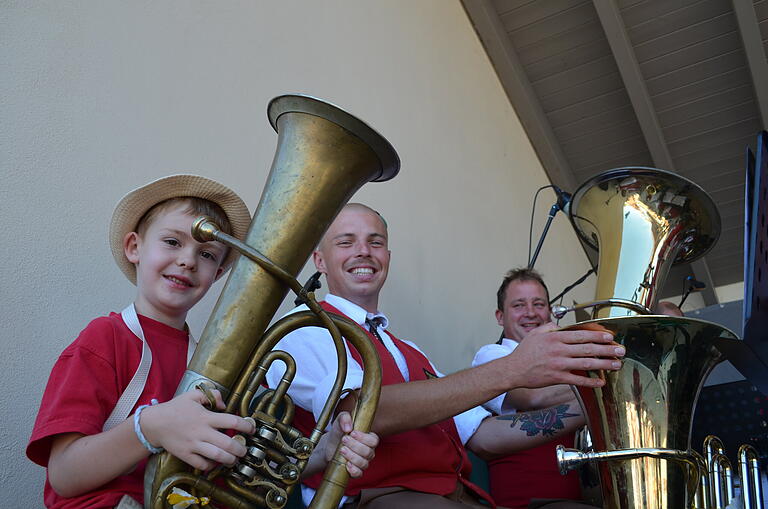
85, 385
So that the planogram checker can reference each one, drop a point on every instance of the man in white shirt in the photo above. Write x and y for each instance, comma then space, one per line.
424, 418
522, 307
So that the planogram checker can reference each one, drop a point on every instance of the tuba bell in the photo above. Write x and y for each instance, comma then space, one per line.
642, 221
323, 156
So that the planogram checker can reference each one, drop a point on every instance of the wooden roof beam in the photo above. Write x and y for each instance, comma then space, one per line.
634, 82
515, 82
753, 47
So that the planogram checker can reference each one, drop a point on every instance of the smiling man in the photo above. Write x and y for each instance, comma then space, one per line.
354, 256
425, 419
525, 476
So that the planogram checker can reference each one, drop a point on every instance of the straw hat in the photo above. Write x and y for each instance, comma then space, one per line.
135, 204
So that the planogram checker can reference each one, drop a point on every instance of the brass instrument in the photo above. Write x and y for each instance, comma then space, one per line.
323, 156
641, 221
717, 486
749, 473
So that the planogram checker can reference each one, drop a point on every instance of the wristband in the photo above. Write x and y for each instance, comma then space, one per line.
139, 434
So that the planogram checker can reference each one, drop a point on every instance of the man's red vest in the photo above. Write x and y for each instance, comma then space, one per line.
532, 473
431, 459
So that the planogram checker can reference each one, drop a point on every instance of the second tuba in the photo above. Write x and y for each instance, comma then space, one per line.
641, 221
323, 157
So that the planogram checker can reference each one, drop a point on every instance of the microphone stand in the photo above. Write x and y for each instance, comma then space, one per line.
693, 285
563, 199
552, 212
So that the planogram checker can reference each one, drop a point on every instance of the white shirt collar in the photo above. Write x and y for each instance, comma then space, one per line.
509, 342
355, 312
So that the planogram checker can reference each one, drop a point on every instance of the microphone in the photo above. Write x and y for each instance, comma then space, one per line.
692, 285
563, 199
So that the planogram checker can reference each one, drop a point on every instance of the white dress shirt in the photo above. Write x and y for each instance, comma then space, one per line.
490, 353
316, 365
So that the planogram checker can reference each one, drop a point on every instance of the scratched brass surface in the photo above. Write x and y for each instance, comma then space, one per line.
323, 156
320, 162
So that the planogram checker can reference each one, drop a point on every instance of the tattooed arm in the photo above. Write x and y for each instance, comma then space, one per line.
506, 434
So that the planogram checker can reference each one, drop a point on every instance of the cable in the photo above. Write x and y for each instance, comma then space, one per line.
533, 211
562, 198
572, 286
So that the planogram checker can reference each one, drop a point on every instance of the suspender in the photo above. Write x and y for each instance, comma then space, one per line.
135, 387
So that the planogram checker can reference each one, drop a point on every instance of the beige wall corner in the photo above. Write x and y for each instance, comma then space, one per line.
99, 98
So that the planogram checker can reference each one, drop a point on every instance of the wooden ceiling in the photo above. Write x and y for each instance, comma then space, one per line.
680, 85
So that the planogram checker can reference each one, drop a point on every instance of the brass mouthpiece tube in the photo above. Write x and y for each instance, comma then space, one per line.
568, 459
204, 229
560, 311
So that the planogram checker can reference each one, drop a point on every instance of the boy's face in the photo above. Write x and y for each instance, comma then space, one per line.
173, 270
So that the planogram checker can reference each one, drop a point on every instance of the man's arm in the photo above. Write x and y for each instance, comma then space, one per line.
506, 434
520, 400
524, 400
545, 358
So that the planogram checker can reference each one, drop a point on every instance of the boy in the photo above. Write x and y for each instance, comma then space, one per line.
95, 454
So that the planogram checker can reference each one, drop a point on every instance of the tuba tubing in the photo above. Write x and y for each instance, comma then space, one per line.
336, 476
323, 156
749, 473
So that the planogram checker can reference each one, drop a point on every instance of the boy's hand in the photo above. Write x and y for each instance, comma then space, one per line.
357, 447
186, 429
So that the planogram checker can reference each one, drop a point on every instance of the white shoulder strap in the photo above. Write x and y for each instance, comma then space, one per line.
135, 387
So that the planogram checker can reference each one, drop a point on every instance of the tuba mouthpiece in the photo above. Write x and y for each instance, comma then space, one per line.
204, 229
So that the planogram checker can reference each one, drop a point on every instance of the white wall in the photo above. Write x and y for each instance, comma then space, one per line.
97, 98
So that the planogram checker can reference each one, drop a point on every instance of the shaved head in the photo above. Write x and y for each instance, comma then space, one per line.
357, 207
354, 256
664, 307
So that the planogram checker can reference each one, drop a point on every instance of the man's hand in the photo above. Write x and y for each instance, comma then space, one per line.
189, 431
549, 356
357, 447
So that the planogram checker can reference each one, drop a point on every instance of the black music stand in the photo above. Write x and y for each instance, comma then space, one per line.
750, 355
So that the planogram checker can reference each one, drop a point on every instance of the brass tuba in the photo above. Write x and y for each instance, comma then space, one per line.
643, 220
323, 156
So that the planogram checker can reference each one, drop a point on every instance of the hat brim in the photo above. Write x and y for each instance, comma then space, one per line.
132, 207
